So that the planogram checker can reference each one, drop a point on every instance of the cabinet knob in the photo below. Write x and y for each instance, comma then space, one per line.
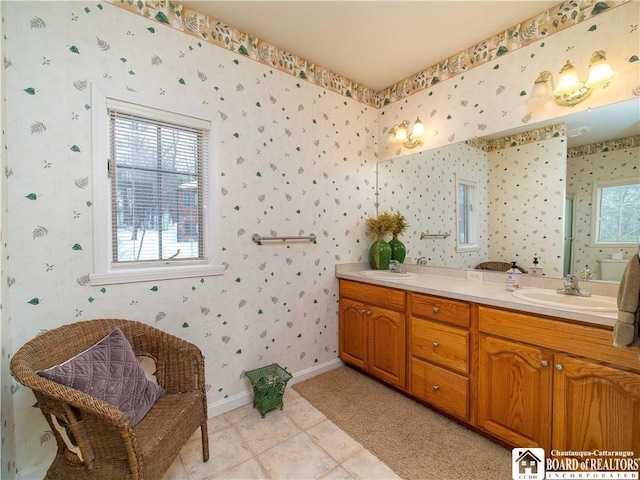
544, 363
368, 312
559, 367
364, 310
436, 309
436, 388
436, 344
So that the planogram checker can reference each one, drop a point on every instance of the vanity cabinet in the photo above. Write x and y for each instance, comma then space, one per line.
372, 330
439, 357
557, 385
528, 380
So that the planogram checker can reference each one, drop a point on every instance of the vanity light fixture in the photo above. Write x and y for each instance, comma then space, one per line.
570, 90
400, 133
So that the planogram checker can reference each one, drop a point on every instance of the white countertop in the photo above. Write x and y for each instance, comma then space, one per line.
483, 292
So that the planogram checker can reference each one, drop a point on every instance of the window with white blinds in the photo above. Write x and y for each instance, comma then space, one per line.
158, 189
152, 175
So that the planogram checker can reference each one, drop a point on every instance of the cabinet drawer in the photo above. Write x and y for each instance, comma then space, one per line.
440, 309
441, 388
383, 296
441, 344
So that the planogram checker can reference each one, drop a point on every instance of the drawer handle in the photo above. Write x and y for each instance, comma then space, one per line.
544, 363
436, 344
436, 388
436, 309
559, 367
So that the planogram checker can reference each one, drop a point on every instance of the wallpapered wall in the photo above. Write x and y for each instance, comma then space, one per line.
582, 172
528, 179
491, 98
293, 157
423, 186
7, 448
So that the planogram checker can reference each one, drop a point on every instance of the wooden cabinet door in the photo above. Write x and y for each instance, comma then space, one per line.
595, 407
387, 345
353, 333
514, 392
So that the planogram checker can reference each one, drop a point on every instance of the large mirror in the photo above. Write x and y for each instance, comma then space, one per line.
525, 193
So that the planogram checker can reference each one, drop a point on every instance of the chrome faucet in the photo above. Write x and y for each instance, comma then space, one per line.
422, 261
395, 267
571, 287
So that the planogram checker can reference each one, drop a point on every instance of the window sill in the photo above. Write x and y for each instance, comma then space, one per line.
612, 245
467, 248
132, 275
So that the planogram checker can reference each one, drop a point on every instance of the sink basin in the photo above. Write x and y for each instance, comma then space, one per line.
388, 275
549, 298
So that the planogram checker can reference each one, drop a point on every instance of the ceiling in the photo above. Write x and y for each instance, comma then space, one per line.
355, 38
379, 43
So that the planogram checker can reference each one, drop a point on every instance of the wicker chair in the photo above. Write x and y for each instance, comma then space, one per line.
101, 442
497, 266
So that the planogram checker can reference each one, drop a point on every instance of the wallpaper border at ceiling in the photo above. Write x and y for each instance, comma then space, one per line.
531, 136
208, 29
606, 146
552, 131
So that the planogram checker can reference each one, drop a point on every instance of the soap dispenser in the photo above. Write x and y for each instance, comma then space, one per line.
513, 277
536, 268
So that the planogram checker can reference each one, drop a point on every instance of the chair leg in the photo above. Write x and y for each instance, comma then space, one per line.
205, 441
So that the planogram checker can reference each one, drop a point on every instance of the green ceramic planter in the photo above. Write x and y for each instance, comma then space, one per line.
398, 250
380, 255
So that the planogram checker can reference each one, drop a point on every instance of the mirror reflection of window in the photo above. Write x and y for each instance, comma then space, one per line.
616, 210
467, 215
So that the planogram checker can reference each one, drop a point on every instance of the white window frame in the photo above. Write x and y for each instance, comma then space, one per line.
472, 216
595, 210
105, 272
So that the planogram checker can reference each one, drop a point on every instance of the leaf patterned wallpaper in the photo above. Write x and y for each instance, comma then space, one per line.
491, 97
529, 179
584, 167
422, 187
293, 158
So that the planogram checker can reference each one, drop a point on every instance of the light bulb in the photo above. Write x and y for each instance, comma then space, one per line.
568, 81
418, 128
599, 69
401, 133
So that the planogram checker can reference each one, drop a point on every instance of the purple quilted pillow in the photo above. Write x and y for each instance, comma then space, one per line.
109, 371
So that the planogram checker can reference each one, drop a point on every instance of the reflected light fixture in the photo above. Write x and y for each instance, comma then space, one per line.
400, 133
570, 90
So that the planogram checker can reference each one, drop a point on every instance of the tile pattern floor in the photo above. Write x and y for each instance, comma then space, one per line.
298, 442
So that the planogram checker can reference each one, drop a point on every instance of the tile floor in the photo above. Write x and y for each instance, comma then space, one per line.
297, 443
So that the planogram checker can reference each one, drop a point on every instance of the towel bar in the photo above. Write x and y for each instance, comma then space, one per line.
257, 238
433, 235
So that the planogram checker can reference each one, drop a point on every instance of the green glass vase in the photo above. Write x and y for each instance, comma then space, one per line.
380, 255
398, 250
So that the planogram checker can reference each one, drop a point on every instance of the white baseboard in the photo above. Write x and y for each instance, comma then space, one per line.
213, 409
244, 398
315, 371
